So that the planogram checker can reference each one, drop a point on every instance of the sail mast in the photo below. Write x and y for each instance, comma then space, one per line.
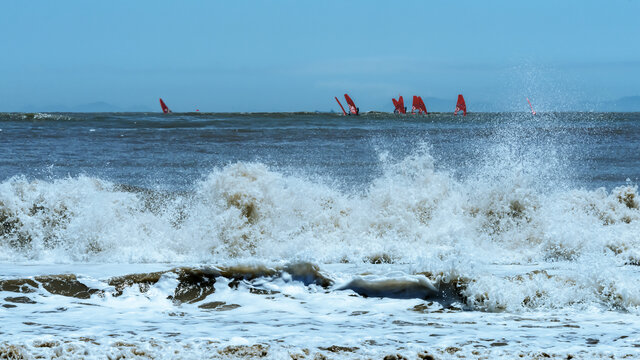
344, 112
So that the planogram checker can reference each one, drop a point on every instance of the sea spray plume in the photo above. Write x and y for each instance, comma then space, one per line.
525, 173
414, 204
548, 87
523, 149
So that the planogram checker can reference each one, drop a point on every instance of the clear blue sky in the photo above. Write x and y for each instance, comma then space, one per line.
297, 55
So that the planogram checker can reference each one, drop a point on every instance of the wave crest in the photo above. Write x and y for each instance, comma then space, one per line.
411, 213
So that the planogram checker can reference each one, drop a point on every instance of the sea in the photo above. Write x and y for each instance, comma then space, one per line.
319, 236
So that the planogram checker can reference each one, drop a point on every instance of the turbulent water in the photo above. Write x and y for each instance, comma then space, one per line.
314, 235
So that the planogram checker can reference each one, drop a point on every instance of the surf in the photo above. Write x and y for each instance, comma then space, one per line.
248, 210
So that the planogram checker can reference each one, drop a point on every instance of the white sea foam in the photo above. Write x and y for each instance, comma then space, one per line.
289, 318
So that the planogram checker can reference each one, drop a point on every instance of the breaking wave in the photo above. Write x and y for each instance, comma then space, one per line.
569, 246
246, 210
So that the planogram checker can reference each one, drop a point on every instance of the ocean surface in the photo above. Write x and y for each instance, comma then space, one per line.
313, 236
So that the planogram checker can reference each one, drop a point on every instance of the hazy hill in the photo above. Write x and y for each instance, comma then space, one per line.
98, 106
626, 104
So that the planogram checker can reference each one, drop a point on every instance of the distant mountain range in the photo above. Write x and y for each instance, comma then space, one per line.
98, 106
625, 104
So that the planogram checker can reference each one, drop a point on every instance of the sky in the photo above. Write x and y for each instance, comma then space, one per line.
297, 55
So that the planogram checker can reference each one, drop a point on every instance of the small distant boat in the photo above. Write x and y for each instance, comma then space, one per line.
531, 106
419, 105
165, 108
399, 106
461, 106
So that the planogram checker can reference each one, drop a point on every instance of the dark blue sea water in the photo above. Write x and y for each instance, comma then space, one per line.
175, 150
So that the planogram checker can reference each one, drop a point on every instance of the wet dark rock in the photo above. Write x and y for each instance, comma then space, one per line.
194, 284
335, 348
20, 300
244, 351
66, 285
395, 357
218, 305
19, 285
426, 356
144, 281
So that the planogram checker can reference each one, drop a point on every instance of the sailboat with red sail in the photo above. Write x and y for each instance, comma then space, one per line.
418, 105
165, 108
461, 106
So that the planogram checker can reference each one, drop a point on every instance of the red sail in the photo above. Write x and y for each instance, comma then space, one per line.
344, 112
352, 106
165, 108
461, 106
400, 106
415, 105
421, 106
531, 106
